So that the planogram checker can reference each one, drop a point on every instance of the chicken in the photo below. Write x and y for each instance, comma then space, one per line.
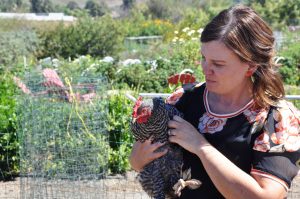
149, 120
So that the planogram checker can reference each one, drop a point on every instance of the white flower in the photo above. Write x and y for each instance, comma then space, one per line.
107, 59
191, 32
128, 62
194, 38
175, 32
175, 39
181, 40
153, 64
200, 30
185, 29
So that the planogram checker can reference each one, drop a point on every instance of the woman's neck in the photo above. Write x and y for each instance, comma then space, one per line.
229, 102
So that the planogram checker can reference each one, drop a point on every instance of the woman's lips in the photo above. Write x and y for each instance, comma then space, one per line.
210, 81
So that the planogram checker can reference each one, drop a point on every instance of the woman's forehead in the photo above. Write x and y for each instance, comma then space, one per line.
216, 50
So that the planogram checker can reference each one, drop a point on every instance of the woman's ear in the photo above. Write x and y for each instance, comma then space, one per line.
251, 69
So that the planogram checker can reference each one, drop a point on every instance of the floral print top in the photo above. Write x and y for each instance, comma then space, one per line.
259, 141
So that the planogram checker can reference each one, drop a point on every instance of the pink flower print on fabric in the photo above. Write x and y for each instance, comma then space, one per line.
262, 143
287, 128
211, 124
255, 115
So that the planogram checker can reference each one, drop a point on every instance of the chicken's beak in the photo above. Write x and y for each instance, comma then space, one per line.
133, 120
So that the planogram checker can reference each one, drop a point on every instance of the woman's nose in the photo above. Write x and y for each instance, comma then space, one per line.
206, 67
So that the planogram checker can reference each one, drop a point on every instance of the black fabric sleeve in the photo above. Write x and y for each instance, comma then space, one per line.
281, 165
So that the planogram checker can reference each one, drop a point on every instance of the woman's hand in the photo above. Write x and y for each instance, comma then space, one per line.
185, 134
144, 153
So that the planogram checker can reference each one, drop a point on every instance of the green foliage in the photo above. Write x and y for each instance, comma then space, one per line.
120, 137
151, 78
278, 13
41, 6
15, 45
94, 8
138, 25
85, 66
128, 3
290, 68
95, 37
293, 90
159, 9
72, 5
194, 19
10, 5
9, 158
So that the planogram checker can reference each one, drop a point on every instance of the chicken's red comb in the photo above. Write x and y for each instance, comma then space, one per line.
137, 104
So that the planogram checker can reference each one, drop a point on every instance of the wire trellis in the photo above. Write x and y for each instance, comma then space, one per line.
64, 141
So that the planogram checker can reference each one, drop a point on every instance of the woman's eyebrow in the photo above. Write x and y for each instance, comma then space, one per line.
214, 60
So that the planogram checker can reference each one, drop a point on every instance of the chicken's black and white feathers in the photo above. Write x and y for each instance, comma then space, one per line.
159, 176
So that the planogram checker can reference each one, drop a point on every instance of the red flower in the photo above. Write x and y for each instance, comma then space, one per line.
184, 78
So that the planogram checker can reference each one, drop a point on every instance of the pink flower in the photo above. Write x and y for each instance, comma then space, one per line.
211, 124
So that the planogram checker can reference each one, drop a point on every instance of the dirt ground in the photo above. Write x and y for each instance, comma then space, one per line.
117, 187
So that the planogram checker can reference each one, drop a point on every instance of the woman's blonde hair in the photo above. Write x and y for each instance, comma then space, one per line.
243, 31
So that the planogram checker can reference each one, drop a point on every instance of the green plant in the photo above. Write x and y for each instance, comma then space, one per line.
278, 13
120, 137
290, 62
94, 8
15, 45
9, 158
41, 6
96, 37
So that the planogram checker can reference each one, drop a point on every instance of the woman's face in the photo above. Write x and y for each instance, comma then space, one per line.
224, 71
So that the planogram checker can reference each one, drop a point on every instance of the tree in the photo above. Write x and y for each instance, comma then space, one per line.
72, 5
128, 3
94, 8
278, 13
41, 6
10, 5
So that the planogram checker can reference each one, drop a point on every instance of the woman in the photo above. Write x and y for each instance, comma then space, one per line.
241, 138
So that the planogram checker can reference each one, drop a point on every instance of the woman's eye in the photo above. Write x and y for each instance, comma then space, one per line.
202, 58
219, 65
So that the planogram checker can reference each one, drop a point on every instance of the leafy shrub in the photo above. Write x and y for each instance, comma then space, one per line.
138, 25
120, 137
290, 68
96, 37
278, 13
9, 159
15, 45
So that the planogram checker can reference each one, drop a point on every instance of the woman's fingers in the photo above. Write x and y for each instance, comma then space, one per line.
143, 153
173, 124
156, 145
156, 155
178, 119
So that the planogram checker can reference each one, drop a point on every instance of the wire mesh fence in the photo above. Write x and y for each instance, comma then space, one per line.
64, 142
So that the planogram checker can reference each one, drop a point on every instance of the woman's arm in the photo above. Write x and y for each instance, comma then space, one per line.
143, 153
230, 180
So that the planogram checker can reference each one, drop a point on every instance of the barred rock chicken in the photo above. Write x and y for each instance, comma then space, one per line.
160, 179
